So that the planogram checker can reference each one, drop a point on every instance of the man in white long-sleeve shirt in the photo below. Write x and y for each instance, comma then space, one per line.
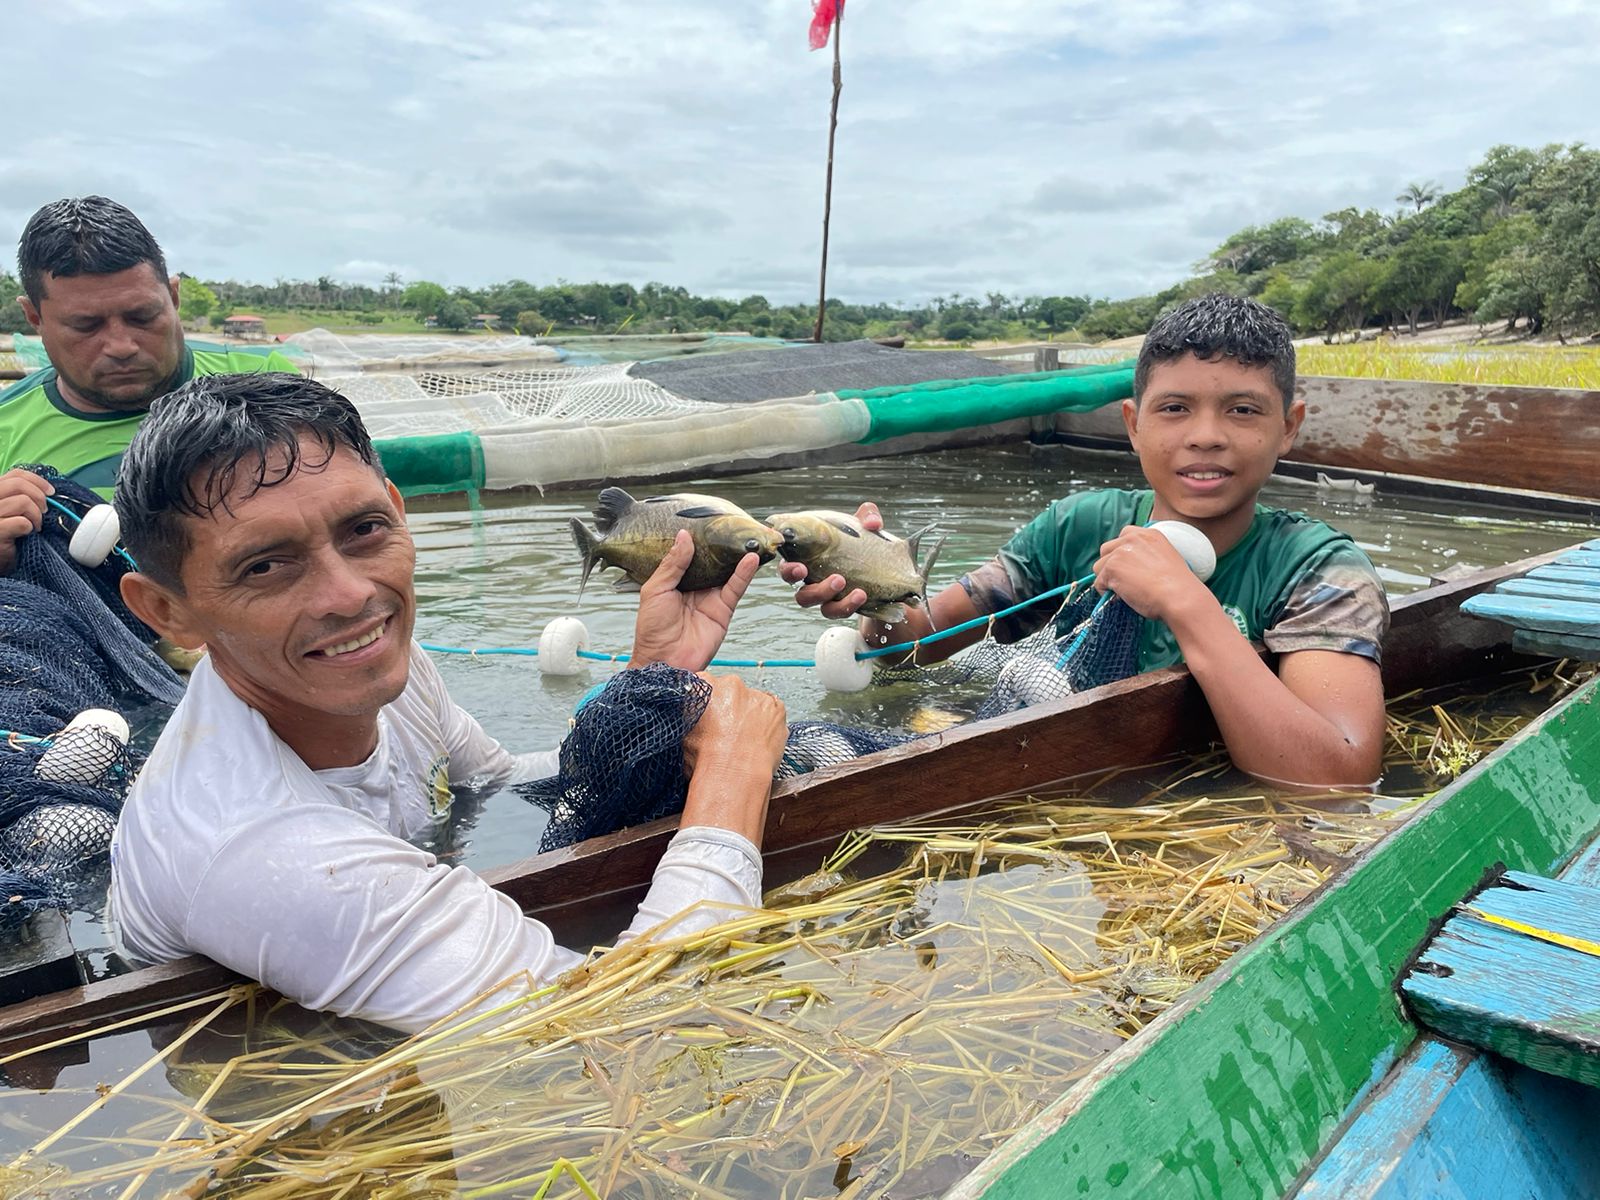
269, 828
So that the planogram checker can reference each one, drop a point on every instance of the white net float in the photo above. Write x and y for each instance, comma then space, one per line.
1195, 546
559, 644
838, 669
108, 719
84, 751
96, 536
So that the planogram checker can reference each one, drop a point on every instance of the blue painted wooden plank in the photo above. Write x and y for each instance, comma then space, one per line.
1551, 589
1584, 869
1592, 544
1456, 1125
1555, 645
1424, 1119
1584, 575
1536, 612
1369, 1152
1503, 990
1579, 558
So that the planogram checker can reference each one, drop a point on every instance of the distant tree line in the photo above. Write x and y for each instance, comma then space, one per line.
1519, 244
654, 308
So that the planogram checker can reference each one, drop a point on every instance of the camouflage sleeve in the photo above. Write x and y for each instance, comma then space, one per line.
996, 586
1338, 605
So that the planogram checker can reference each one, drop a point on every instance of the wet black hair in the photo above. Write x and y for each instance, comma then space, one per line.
1218, 325
211, 436
86, 236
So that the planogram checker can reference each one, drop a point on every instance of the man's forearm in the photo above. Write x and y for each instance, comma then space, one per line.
730, 792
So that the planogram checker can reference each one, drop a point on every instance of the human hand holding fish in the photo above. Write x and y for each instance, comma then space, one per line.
685, 629
831, 593
834, 551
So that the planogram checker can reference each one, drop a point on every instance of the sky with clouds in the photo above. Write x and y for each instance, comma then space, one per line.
1019, 146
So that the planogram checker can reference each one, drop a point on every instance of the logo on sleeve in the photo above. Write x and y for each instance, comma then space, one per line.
1236, 615
440, 797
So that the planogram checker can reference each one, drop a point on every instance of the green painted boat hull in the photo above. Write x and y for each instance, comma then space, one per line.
1234, 1092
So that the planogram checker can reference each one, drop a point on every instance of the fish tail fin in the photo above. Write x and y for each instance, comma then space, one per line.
612, 504
914, 540
588, 543
927, 563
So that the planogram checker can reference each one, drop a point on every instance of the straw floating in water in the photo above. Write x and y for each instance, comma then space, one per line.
877, 1029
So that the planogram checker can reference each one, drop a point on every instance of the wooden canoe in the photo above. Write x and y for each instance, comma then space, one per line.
1260, 1081
1154, 716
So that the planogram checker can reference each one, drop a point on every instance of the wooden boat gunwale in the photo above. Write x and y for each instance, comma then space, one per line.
1155, 715
1235, 1090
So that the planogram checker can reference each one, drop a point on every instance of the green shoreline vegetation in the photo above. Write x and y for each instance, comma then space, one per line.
1517, 248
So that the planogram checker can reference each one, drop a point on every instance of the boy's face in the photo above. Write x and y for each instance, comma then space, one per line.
1208, 433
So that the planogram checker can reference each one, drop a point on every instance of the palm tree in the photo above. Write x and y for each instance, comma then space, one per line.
1420, 194
1502, 189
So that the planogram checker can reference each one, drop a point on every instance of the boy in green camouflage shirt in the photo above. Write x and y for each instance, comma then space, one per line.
1213, 410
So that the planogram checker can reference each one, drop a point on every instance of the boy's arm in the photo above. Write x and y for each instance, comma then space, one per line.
1318, 722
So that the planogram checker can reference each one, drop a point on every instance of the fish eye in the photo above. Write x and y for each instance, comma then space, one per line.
752, 544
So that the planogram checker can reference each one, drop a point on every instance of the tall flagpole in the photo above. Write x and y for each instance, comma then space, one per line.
827, 192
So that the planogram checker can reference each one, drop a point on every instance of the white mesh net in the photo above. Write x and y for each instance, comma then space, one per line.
330, 354
454, 402
607, 392
539, 453
541, 424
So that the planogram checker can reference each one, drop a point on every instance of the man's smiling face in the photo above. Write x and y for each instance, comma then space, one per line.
302, 591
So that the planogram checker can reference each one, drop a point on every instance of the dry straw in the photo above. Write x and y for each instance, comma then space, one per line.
878, 1028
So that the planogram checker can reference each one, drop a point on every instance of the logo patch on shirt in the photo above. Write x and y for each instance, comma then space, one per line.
1236, 615
440, 797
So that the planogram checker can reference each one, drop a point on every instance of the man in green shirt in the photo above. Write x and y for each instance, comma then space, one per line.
1213, 410
98, 295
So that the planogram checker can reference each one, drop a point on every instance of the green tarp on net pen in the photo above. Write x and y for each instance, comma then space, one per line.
937, 408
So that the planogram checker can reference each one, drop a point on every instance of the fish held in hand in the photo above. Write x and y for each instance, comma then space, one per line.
635, 535
880, 564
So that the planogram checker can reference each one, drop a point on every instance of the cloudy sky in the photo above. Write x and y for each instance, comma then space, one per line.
984, 145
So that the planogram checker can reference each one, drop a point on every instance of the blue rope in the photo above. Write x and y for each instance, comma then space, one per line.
902, 647
78, 520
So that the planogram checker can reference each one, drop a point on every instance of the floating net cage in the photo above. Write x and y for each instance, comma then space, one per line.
430, 402
69, 649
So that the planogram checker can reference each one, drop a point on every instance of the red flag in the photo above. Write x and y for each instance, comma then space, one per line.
823, 13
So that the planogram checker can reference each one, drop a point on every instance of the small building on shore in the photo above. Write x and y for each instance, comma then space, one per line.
246, 326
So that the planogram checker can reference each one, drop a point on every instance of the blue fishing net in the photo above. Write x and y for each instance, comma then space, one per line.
67, 643
622, 764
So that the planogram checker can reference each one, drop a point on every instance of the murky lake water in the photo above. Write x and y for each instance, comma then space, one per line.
492, 577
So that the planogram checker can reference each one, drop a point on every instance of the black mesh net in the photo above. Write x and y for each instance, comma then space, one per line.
67, 643
622, 764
